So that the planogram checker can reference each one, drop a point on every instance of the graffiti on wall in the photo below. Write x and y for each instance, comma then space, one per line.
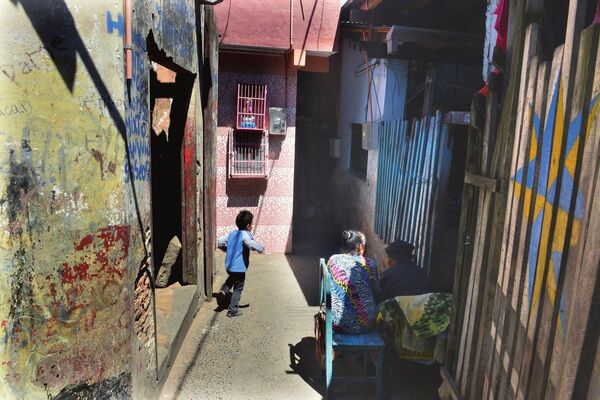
65, 295
138, 116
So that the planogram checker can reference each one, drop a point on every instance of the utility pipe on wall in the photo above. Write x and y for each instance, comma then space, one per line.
291, 24
128, 53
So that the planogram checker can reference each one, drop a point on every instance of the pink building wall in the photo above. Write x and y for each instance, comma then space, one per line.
271, 199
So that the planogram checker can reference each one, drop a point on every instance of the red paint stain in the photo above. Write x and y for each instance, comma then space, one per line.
110, 246
70, 274
87, 240
52, 289
100, 375
187, 156
98, 157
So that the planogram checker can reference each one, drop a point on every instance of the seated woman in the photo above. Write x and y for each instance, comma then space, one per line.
352, 277
403, 277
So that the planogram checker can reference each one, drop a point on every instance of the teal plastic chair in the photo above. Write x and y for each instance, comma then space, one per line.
370, 342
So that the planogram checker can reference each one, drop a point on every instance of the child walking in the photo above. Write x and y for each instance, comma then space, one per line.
237, 244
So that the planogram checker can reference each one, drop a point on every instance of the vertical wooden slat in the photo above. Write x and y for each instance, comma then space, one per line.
529, 186
536, 276
512, 281
575, 21
464, 253
570, 209
209, 159
497, 368
476, 286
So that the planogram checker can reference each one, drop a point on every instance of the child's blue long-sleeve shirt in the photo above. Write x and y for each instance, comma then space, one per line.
238, 245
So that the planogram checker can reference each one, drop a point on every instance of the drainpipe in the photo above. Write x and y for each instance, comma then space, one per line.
128, 54
291, 24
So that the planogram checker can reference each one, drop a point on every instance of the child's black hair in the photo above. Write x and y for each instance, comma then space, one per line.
243, 219
351, 240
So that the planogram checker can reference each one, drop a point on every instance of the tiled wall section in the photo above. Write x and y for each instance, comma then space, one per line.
270, 200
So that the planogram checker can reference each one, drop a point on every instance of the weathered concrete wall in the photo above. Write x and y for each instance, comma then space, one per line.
270, 200
65, 278
75, 303
355, 198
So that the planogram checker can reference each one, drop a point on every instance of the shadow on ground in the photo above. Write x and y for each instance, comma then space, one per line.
311, 242
403, 380
304, 363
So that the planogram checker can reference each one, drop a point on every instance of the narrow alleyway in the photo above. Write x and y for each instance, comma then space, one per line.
248, 357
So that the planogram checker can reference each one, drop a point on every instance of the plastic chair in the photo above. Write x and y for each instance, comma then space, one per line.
335, 341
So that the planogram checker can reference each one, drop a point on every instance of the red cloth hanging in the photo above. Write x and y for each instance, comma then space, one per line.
501, 25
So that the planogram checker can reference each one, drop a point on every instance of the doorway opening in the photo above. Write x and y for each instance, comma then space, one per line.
170, 92
174, 201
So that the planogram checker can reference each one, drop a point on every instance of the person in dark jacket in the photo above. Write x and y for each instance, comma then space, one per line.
404, 277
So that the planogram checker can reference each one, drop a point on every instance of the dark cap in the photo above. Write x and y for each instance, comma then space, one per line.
400, 250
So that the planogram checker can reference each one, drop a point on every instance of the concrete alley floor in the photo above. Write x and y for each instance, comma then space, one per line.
247, 357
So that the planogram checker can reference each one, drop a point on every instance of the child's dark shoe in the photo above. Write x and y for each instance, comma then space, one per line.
231, 315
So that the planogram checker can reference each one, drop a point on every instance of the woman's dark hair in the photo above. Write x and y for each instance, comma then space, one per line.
243, 219
351, 240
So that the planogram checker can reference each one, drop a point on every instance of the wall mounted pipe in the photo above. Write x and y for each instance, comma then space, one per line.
291, 24
128, 50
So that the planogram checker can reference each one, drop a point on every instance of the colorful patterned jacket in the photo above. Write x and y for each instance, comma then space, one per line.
352, 302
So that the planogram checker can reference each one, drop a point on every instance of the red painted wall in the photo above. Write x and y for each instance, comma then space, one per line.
266, 23
270, 200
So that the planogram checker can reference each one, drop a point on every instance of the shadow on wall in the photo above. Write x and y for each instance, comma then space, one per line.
245, 192
275, 146
55, 27
59, 36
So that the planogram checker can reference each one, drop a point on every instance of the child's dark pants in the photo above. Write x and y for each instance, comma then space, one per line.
235, 281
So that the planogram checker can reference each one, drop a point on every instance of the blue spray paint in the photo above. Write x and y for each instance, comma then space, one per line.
118, 24
137, 120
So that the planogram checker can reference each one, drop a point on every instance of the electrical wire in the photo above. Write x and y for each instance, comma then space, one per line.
226, 23
369, 100
321, 24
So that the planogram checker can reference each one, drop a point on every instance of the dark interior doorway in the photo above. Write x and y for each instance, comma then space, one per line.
170, 93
